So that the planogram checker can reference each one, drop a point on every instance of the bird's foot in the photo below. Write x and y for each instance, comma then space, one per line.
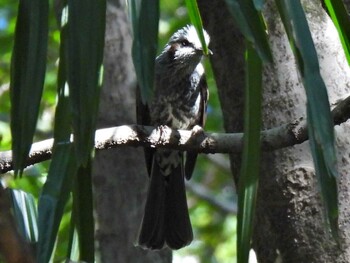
197, 130
164, 133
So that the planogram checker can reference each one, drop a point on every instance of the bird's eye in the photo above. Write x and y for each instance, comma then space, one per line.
185, 43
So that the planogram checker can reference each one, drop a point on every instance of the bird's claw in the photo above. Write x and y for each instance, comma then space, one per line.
163, 131
197, 130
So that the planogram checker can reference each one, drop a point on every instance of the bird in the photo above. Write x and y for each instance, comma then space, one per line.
179, 102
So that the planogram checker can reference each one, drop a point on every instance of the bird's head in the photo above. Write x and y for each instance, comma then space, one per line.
184, 47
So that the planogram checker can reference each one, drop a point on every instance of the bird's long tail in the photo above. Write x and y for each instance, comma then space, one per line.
178, 229
166, 219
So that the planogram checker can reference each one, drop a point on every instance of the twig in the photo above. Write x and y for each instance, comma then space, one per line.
136, 135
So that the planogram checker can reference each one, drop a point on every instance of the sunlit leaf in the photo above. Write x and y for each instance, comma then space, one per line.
73, 246
341, 20
25, 213
196, 20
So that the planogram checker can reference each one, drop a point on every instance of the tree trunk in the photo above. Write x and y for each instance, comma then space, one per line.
120, 178
290, 211
227, 61
289, 219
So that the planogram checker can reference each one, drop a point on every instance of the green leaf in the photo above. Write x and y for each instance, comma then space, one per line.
54, 196
25, 213
341, 20
86, 30
57, 188
251, 25
73, 246
27, 76
196, 20
83, 213
326, 180
249, 176
144, 17
320, 122
62, 130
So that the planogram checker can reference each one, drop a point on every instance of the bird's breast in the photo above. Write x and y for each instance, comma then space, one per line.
177, 100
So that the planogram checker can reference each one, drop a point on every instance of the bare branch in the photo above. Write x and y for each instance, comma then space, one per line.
136, 135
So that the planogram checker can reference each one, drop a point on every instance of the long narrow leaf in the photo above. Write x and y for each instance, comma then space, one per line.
83, 213
25, 213
251, 25
57, 188
54, 196
27, 76
73, 246
62, 130
196, 20
249, 177
320, 123
341, 20
144, 17
86, 30
326, 179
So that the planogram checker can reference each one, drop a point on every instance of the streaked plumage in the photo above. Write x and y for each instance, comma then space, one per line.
179, 102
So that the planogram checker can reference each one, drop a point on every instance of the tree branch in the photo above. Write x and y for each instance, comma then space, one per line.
163, 137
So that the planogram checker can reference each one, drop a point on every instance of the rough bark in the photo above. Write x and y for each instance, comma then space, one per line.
290, 213
289, 220
227, 61
120, 180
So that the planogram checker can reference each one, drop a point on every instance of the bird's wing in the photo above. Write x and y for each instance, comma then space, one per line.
191, 157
